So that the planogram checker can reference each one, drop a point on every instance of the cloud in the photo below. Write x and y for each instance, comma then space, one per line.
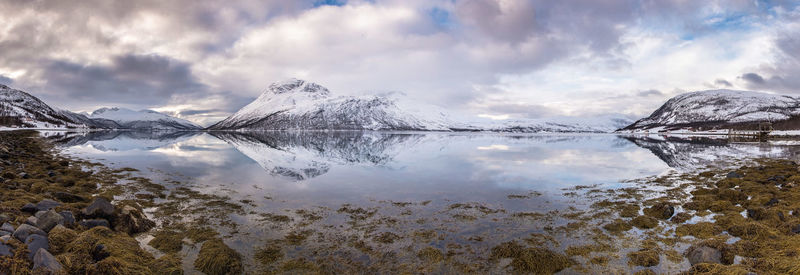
133, 79
650, 92
722, 83
204, 59
753, 79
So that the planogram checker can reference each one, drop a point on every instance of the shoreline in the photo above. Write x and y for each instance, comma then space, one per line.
745, 215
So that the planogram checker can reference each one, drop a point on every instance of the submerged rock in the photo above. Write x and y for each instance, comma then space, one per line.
704, 254
99, 208
44, 260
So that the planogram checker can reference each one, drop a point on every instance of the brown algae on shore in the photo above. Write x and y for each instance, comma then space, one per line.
216, 258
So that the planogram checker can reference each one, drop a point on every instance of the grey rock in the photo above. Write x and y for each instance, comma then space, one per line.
4, 233
771, 202
4, 218
7, 227
130, 220
95, 223
35, 242
734, 175
796, 229
5, 250
24, 175
5, 238
100, 207
25, 230
704, 254
43, 259
69, 219
51, 173
47, 204
30, 208
48, 220
32, 220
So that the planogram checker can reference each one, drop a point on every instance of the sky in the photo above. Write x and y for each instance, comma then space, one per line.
203, 60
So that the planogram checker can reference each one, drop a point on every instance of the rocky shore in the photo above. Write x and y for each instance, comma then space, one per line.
60, 216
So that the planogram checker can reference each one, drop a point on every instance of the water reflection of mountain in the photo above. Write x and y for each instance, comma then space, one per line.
118, 140
299, 155
688, 152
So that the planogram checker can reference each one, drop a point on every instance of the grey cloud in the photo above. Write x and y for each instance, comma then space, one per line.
723, 83
650, 92
6, 80
753, 78
130, 79
522, 110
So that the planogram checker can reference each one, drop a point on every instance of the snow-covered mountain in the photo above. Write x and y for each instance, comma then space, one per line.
145, 119
22, 110
300, 105
722, 109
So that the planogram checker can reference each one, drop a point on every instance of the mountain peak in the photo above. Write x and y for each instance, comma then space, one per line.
294, 85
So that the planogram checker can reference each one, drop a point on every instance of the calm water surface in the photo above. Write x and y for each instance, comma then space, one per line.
284, 171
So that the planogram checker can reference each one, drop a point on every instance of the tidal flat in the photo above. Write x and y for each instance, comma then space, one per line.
738, 218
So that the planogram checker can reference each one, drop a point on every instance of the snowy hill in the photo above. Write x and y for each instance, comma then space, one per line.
145, 119
300, 105
21, 110
722, 109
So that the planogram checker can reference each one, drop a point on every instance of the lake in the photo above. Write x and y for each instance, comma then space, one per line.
370, 201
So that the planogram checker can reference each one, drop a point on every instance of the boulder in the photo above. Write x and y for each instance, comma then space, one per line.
94, 223
131, 220
48, 220
35, 242
25, 230
99, 208
704, 254
45, 260
46, 204
32, 220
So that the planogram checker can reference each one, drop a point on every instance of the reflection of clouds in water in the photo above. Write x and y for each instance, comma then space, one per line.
494, 147
338, 167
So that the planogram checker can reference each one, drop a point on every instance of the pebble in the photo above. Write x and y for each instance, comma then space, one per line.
47, 204
48, 220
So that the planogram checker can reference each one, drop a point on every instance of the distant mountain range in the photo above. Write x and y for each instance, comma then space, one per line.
19, 109
301, 105
721, 109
